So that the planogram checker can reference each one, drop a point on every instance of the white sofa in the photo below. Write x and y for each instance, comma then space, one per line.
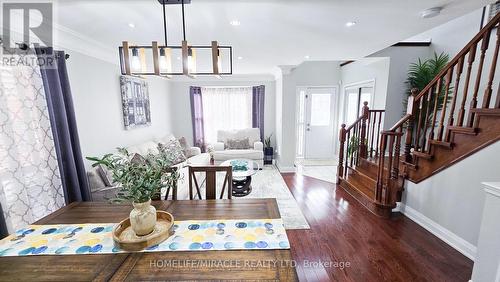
255, 153
106, 192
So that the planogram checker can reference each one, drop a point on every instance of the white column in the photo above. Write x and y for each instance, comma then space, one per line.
487, 262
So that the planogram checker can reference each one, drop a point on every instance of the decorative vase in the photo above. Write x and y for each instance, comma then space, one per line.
143, 218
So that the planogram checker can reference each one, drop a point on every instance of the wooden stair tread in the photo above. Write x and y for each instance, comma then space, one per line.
463, 130
422, 155
367, 191
444, 144
366, 179
486, 112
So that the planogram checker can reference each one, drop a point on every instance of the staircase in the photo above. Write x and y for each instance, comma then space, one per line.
454, 116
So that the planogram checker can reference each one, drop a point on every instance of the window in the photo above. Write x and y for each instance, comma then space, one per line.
226, 108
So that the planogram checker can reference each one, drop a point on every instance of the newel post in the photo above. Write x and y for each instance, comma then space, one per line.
411, 109
340, 169
362, 146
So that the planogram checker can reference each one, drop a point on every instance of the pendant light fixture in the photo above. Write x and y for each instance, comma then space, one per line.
134, 61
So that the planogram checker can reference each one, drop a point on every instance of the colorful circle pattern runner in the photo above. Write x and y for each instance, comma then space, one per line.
191, 235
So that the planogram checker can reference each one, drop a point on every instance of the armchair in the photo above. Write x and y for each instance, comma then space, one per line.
255, 152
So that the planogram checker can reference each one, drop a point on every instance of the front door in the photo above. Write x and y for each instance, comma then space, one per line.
319, 123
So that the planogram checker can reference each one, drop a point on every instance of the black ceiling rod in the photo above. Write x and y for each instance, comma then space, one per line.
183, 22
165, 24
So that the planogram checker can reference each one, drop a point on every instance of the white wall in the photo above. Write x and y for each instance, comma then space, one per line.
454, 198
324, 73
400, 59
181, 105
376, 69
95, 86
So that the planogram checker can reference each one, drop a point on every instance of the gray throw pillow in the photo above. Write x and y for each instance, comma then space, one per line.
95, 180
186, 149
174, 149
106, 175
237, 144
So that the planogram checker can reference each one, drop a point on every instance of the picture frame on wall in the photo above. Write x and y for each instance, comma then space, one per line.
135, 102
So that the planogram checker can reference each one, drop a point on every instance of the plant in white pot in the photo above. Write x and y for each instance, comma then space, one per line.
141, 179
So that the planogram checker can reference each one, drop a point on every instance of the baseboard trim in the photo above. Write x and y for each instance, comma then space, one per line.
450, 238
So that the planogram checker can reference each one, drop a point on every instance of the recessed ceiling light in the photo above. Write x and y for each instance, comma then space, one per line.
240, 58
430, 13
132, 25
306, 57
178, 58
349, 24
235, 23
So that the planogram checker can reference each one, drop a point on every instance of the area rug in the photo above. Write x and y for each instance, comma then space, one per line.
306, 162
268, 183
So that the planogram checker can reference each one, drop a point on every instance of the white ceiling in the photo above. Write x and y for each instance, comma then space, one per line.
272, 32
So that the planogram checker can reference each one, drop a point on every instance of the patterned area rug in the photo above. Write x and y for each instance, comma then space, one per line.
268, 183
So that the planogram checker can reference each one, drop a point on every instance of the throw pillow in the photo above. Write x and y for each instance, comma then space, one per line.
95, 180
186, 149
174, 149
237, 144
106, 175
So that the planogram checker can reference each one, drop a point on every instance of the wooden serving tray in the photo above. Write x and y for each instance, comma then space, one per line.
125, 237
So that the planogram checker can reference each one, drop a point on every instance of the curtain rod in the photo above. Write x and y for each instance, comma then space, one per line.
23, 46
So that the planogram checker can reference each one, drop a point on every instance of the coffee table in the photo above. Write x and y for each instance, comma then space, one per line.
242, 178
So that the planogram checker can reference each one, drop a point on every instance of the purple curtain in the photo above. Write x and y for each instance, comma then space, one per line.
63, 121
258, 108
197, 117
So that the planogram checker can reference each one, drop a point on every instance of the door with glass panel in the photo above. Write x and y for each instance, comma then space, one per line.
319, 113
354, 99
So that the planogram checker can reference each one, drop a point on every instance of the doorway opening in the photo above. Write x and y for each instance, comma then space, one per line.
316, 124
354, 96
316, 132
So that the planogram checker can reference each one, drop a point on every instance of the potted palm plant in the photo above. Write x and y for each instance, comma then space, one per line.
141, 179
268, 150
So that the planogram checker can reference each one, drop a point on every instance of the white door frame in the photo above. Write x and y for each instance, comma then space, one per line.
336, 116
364, 83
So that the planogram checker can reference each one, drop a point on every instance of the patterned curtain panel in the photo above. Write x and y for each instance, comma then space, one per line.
197, 117
258, 98
30, 182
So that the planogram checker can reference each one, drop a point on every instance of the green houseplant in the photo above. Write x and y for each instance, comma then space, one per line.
420, 74
141, 179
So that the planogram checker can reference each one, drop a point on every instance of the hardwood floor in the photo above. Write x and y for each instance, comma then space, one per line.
376, 249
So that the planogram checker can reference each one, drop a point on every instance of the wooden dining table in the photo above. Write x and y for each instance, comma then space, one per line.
187, 265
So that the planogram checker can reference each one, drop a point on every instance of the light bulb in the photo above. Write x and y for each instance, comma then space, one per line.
164, 65
136, 62
191, 61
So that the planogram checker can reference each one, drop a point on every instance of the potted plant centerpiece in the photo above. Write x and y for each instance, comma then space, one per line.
141, 179
268, 150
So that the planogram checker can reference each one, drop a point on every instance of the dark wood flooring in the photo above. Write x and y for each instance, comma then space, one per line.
376, 249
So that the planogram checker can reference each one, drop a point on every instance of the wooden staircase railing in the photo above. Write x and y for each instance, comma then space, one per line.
430, 119
450, 104
362, 139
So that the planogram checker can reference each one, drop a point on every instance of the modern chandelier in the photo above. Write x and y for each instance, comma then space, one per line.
157, 60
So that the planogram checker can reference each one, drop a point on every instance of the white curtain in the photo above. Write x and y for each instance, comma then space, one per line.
30, 182
225, 109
